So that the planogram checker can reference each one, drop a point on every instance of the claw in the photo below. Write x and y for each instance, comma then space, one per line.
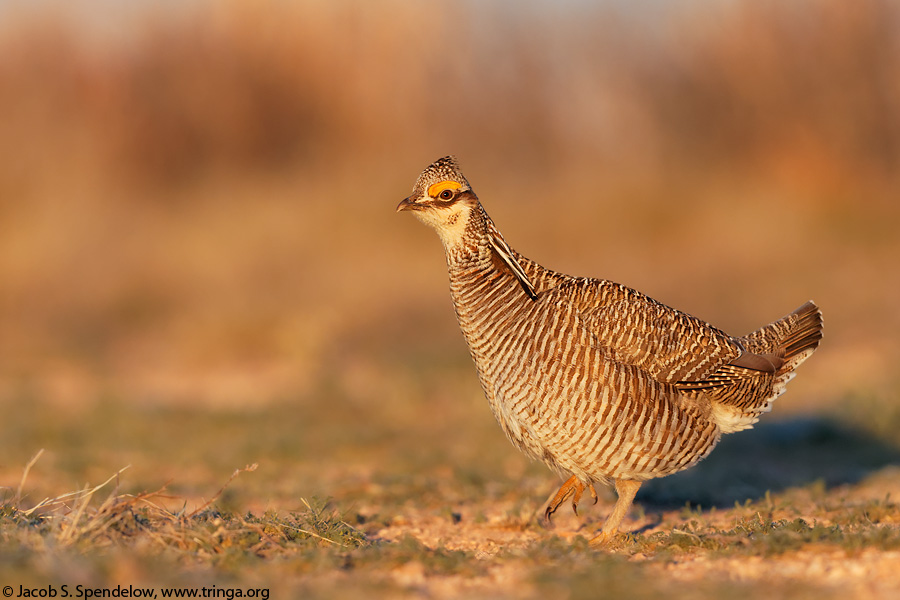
572, 488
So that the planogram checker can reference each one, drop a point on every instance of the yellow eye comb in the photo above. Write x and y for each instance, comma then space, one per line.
436, 188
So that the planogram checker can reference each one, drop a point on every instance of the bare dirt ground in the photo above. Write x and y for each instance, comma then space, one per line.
401, 519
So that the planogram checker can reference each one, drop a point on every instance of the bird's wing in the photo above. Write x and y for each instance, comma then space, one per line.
634, 329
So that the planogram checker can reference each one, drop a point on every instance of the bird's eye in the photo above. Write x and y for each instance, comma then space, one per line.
446, 194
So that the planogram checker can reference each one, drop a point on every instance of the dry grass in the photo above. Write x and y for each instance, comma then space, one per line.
407, 515
200, 269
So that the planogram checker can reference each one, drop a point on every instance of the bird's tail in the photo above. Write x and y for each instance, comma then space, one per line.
744, 389
793, 338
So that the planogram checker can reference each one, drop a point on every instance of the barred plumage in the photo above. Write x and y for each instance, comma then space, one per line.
595, 379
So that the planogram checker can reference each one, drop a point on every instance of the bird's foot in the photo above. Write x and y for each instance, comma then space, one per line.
573, 489
609, 537
609, 540
602, 540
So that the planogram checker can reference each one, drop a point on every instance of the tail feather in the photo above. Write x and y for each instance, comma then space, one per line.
791, 340
806, 333
796, 335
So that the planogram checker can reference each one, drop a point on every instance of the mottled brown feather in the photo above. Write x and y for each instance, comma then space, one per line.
592, 377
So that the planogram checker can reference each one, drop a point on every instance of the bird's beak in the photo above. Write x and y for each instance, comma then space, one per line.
406, 204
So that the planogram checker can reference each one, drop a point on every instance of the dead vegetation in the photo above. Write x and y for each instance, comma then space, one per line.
406, 524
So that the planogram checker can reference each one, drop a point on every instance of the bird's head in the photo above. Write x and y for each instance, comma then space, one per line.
443, 199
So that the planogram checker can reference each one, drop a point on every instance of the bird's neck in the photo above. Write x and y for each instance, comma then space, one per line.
472, 240
482, 249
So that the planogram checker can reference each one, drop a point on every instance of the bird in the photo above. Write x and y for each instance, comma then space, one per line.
597, 380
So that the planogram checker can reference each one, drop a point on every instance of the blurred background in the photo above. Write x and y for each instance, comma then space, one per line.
197, 207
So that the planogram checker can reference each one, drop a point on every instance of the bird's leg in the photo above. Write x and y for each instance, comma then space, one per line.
572, 488
626, 489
